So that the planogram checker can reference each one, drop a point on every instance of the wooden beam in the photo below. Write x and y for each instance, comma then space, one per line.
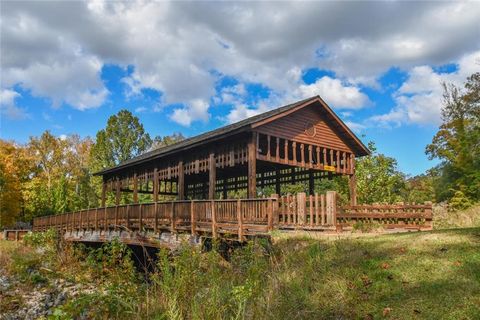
212, 176
155, 185
135, 188
252, 166
181, 181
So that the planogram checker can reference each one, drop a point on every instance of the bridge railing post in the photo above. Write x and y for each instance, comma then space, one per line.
193, 223
240, 220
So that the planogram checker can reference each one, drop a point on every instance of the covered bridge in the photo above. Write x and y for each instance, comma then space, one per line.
299, 142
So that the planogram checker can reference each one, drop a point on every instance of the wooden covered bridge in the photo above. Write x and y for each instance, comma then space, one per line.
193, 184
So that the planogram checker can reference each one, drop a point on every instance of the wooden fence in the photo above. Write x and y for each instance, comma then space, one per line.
405, 216
240, 217
307, 212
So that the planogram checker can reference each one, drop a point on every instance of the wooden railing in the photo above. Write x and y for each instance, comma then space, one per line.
409, 216
307, 212
238, 217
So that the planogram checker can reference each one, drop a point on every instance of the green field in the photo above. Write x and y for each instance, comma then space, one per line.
418, 275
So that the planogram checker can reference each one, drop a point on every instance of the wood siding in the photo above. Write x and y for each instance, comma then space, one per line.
293, 127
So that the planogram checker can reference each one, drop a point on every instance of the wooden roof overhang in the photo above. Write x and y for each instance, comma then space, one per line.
237, 129
231, 149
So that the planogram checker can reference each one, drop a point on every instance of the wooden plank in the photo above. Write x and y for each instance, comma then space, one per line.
193, 218
240, 220
270, 214
317, 216
181, 181
212, 176
214, 219
301, 208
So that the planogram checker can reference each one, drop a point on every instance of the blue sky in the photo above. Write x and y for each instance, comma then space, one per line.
190, 68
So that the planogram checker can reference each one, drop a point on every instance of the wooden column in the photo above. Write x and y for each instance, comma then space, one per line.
181, 181
212, 176
135, 188
352, 183
252, 166
156, 185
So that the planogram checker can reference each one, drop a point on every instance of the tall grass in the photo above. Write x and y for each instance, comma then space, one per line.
402, 276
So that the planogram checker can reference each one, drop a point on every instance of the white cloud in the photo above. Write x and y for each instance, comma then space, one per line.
195, 110
335, 93
419, 99
57, 50
8, 108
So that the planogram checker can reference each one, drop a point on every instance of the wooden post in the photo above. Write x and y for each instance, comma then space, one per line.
212, 176
310, 198
270, 215
135, 188
240, 220
155, 185
301, 207
193, 222
96, 219
172, 217
317, 217
155, 227
181, 181
331, 208
322, 212
128, 216
140, 218
252, 167
214, 219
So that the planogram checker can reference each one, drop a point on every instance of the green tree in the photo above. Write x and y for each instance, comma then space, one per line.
457, 142
378, 178
124, 138
168, 140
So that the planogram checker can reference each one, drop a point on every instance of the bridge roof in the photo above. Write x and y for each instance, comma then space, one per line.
242, 126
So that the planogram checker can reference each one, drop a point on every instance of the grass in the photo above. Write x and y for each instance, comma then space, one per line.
418, 275
443, 218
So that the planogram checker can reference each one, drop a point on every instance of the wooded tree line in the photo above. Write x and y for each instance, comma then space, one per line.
54, 175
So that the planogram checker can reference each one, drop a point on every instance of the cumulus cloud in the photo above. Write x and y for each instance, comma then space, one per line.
335, 93
182, 49
419, 99
8, 108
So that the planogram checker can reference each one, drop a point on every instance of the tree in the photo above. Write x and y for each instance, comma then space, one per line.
14, 169
124, 138
160, 142
378, 178
457, 142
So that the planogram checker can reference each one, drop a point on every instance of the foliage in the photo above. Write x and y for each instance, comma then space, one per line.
168, 140
457, 142
122, 139
378, 178
14, 168
60, 180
